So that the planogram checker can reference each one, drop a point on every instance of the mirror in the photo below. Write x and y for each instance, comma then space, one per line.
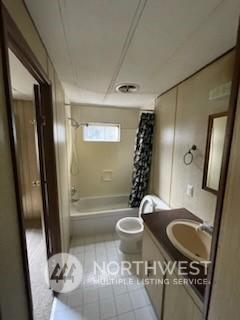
214, 151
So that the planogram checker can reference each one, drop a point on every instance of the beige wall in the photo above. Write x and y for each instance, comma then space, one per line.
164, 131
95, 157
13, 298
181, 121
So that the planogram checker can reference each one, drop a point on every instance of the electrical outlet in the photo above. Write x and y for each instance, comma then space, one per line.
190, 191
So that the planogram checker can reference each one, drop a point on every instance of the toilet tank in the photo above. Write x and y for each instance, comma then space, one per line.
151, 203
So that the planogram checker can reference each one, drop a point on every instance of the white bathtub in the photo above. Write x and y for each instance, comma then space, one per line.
95, 215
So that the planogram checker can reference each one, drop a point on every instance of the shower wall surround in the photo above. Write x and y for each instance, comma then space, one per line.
95, 158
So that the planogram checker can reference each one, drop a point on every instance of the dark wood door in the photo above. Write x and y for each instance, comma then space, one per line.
28, 160
44, 116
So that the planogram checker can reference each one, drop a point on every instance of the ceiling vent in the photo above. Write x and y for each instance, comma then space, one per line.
127, 88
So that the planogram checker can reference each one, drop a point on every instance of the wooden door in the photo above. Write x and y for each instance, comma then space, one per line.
28, 159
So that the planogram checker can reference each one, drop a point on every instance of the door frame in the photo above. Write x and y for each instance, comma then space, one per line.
224, 173
12, 38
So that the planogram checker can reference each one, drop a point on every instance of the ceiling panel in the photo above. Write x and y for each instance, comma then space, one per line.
96, 31
216, 36
164, 27
86, 39
47, 17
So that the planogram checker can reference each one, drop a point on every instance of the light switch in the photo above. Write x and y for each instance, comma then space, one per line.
190, 191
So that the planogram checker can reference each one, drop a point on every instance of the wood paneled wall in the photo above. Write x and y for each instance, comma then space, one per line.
181, 121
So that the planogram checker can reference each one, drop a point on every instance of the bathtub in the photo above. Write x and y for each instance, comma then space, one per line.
96, 215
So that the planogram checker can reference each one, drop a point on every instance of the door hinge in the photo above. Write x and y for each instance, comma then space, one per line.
42, 120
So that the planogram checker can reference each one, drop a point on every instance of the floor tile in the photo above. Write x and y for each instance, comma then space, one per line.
75, 299
90, 295
107, 309
91, 311
134, 283
138, 298
127, 316
146, 313
124, 299
123, 303
119, 288
105, 292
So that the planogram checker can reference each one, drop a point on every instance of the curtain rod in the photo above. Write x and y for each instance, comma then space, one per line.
145, 110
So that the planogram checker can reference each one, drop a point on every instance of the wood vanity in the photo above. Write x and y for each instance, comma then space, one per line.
171, 301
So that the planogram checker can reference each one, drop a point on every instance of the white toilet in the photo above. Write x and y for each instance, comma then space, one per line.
130, 229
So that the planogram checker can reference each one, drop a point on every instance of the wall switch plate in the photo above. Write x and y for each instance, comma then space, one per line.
190, 191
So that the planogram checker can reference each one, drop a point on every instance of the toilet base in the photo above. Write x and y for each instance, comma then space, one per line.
130, 246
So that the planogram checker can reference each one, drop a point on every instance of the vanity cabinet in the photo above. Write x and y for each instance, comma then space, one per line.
155, 290
171, 301
178, 304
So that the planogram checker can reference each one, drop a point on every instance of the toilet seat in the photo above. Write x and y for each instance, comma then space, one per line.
130, 226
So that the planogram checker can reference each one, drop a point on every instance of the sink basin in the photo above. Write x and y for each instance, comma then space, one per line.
192, 243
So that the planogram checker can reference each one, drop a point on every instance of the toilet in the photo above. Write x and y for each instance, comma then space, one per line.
130, 229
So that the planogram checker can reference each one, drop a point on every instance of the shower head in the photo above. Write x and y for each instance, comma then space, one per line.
74, 123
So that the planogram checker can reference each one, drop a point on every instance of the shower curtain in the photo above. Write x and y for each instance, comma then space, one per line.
142, 159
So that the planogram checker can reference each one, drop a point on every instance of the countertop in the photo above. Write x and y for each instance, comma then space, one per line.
157, 223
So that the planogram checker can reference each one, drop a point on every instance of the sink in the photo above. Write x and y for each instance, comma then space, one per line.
193, 243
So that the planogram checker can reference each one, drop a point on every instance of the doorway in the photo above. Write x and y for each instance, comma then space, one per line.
26, 139
46, 203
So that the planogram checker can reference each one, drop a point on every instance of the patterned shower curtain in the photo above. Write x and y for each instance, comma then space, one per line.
142, 159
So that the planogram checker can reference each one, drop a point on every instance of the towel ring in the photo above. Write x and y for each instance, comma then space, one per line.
189, 153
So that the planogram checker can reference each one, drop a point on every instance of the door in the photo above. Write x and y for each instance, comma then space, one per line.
28, 160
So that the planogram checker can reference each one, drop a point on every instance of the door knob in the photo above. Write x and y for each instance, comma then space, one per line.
36, 183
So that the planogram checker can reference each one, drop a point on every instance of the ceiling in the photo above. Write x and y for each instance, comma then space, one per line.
95, 45
21, 80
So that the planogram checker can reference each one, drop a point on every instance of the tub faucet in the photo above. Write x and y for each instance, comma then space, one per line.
73, 191
207, 227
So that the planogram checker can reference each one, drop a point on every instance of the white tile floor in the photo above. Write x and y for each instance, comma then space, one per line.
125, 298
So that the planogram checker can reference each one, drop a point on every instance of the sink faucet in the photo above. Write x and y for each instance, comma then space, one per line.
207, 227
73, 191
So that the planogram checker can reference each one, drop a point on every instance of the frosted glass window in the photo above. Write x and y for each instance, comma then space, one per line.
101, 132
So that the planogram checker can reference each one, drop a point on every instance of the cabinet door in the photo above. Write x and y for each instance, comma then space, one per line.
155, 290
178, 305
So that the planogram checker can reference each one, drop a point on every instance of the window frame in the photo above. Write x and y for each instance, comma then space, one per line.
103, 124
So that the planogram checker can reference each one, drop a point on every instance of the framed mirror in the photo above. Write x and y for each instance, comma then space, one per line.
214, 151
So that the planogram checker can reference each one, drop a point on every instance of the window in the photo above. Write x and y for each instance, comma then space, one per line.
101, 132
